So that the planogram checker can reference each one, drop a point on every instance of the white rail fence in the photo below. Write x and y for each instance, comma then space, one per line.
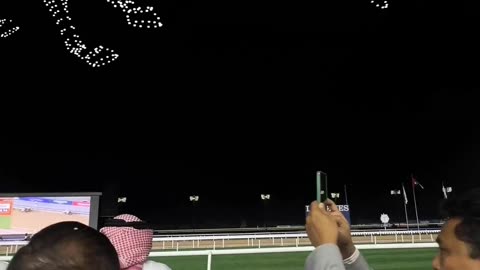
284, 235
210, 253
218, 241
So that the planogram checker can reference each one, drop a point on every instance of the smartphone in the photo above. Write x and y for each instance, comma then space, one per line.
322, 186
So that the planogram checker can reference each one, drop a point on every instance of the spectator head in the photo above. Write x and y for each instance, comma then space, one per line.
132, 239
459, 240
66, 246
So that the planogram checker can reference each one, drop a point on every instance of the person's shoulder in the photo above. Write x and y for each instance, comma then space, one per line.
152, 265
3, 265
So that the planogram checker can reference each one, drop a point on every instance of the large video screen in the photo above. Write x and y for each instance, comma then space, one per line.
26, 214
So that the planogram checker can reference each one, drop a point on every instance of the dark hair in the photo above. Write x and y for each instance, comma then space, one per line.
466, 207
66, 246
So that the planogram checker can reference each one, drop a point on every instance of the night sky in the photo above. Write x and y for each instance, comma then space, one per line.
233, 99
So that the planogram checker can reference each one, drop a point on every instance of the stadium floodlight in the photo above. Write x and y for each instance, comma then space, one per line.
194, 198
335, 195
122, 200
395, 192
265, 196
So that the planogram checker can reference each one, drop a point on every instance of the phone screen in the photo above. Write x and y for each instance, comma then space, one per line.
322, 186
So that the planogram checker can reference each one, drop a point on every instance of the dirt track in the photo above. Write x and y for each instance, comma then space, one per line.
31, 222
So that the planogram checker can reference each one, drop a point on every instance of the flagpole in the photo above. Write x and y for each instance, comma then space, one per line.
405, 206
415, 202
346, 197
444, 190
406, 216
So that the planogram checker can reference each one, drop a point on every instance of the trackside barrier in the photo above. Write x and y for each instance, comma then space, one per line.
210, 253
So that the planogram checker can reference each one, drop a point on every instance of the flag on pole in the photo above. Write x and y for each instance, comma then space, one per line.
415, 182
404, 194
446, 190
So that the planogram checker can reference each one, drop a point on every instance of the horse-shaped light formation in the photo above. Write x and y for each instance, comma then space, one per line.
7, 28
139, 17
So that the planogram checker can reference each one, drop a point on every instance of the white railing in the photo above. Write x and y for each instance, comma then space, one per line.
255, 236
12, 246
13, 243
284, 235
209, 253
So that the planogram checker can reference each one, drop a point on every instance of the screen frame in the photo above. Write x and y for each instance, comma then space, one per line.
94, 201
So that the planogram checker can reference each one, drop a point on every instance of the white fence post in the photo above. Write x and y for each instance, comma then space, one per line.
402, 238
396, 238
223, 243
177, 246
431, 237
375, 237
209, 261
281, 240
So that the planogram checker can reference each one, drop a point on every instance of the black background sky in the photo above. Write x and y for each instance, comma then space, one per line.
232, 99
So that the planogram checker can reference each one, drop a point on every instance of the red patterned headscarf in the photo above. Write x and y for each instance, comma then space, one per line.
132, 245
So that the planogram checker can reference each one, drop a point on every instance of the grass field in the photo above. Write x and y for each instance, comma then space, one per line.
5, 222
385, 259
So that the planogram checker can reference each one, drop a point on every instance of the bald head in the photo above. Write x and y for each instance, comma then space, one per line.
66, 245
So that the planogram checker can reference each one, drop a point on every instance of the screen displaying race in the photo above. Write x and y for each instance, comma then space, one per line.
27, 215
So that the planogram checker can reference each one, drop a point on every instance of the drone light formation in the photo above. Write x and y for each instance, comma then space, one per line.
96, 57
7, 28
139, 17
382, 4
